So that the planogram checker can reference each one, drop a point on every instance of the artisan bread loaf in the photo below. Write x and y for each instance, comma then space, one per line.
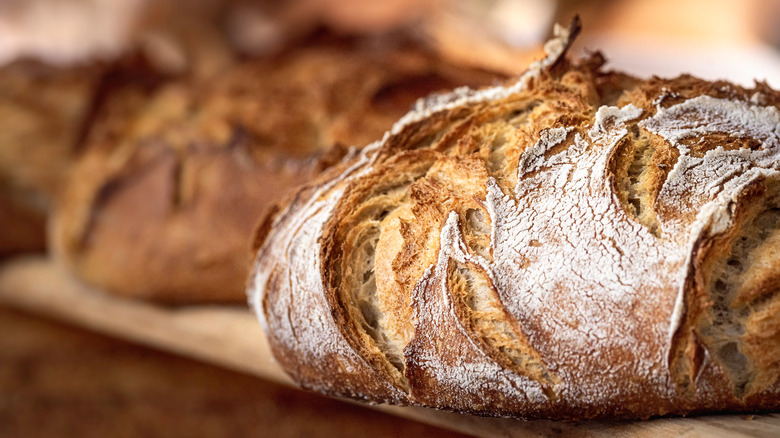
43, 111
54, 81
164, 200
575, 244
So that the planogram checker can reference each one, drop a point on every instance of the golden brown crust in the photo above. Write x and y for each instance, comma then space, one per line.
163, 203
551, 248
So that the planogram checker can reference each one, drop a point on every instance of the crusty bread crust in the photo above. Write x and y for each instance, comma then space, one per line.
163, 202
555, 247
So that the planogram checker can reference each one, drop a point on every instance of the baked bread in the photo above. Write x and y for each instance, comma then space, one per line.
53, 80
43, 111
576, 244
164, 200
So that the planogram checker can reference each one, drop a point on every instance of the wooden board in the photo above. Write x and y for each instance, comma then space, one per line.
231, 337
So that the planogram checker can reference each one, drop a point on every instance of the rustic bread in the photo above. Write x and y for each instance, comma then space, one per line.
43, 111
576, 244
55, 72
163, 202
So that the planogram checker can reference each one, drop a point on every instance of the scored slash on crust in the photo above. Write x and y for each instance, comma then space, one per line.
551, 248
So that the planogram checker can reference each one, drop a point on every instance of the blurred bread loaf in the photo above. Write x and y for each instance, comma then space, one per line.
163, 202
43, 111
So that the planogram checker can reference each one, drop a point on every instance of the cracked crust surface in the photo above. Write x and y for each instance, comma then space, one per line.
164, 200
576, 244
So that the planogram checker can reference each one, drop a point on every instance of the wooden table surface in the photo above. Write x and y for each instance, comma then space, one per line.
231, 338
57, 380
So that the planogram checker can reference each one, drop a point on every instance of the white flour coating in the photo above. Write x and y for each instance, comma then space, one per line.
704, 114
574, 270
532, 158
587, 253
307, 326
699, 180
572, 243
708, 184
303, 220
475, 372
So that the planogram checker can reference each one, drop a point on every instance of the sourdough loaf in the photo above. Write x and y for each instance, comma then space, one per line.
164, 200
575, 244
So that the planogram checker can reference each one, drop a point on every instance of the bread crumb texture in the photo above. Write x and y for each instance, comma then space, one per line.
575, 244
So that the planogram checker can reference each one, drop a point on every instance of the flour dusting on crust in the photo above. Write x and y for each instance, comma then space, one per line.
719, 175
584, 287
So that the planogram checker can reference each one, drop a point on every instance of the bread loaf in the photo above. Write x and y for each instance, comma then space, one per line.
575, 244
164, 200
43, 111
